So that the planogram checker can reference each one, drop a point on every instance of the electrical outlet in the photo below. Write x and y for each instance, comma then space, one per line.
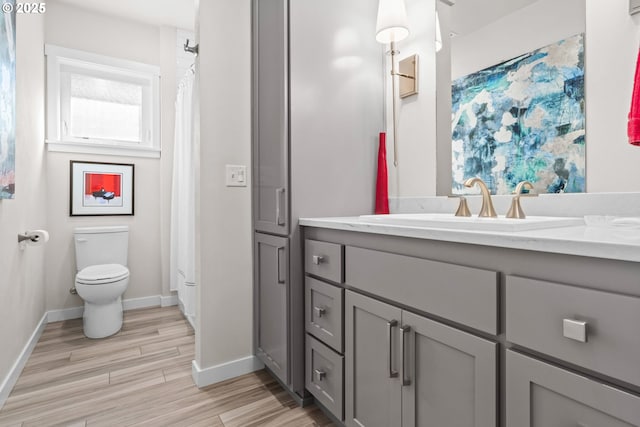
236, 175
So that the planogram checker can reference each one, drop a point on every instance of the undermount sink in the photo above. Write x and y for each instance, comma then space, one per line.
474, 223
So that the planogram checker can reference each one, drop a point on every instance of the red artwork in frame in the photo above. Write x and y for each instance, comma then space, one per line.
101, 188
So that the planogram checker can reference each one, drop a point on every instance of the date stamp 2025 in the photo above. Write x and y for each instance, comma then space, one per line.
24, 7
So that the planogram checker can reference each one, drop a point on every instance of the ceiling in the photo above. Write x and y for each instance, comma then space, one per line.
471, 15
175, 13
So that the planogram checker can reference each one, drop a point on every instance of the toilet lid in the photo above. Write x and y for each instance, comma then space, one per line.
102, 272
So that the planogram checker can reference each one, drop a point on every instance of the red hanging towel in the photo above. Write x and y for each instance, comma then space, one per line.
382, 191
633, 128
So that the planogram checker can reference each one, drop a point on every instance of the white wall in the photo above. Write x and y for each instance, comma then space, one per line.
611, 51
22, 286
539, 24
416, 124
77, 28
224, 307
184, 59
611, 46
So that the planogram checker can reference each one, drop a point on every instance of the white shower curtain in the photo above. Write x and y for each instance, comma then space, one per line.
182, 263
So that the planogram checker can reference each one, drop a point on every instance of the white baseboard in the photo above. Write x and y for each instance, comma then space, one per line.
144, 302
167, 301
64, 314
127, 304
224, 371
18, 366
191, 321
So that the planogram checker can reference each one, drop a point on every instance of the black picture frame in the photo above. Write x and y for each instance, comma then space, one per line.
101, 189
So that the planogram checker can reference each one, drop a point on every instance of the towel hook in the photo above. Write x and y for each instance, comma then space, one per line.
192, 49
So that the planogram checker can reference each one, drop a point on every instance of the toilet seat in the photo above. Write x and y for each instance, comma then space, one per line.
102, 274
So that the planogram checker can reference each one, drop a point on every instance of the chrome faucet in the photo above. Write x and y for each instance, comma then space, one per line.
515, 211
487, 209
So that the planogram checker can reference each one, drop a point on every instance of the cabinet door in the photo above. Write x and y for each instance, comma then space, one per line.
542, 395
271, 296
449, 376
270, 117
372, 384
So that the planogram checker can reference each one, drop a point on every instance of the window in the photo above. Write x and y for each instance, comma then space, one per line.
101, 105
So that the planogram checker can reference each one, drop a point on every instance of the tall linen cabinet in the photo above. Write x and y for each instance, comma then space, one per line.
317, 111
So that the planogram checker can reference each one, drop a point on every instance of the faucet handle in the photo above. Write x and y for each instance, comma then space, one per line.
515, 211
463, 207
524, 185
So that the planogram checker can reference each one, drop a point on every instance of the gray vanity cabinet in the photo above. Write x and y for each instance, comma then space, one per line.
315, 127
373, 391
542, 395
450, 376
271, 296
402, 369
270, 117
431, 328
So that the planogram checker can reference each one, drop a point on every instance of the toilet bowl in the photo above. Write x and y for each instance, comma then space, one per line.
102, 278
101, 287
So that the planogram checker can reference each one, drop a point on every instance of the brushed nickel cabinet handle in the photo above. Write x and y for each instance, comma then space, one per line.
574, 329
317, 259
320, 311
320, 375
390, 325
404, 330
279, 194
281, 280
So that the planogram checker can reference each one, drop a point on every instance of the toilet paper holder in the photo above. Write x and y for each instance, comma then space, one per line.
32, 236
26, 236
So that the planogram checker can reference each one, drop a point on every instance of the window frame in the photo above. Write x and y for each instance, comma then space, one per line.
60, 62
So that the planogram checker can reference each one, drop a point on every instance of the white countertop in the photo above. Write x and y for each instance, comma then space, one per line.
616, 243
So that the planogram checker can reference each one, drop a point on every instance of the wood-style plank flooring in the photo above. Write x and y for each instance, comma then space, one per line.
141, 376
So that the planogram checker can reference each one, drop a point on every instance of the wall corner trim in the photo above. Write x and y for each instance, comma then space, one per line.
18, 366
224, 371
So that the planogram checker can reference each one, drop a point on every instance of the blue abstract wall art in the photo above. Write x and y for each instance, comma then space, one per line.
521, 120
7, 104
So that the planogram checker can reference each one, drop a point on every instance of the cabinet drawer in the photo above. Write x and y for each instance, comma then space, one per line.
462, 294
551, 318
539, 394
324, 260
324, 376
323, 312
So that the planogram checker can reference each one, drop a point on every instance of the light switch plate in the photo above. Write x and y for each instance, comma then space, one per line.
236, 176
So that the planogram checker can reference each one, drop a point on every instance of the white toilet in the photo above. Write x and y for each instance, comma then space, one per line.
103, 276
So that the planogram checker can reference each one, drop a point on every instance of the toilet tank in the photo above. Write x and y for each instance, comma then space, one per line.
101, 245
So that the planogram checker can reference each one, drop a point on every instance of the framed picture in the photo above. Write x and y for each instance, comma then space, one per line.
8, 102
101, 189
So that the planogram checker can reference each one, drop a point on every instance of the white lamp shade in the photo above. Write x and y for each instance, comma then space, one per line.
392, 23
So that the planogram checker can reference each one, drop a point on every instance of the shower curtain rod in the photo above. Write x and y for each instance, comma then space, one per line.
192, 49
